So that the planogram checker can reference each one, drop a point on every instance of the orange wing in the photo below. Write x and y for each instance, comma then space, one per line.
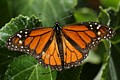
31, 41
72, 56
79, 38
41, 43
51, 56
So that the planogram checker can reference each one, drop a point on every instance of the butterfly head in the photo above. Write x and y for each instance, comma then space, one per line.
57, 24
57, 27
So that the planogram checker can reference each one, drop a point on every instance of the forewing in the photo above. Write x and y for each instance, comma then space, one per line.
87, 34
32, 41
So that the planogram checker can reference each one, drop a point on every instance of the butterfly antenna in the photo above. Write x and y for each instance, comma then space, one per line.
67, 17
62, 18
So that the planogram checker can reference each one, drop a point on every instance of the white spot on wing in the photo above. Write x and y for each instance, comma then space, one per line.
96, 23
20, 31
98, 27
21, 46
90, 25
19, 35
20, 42
9, 43
9, 39
26, 32
99, 33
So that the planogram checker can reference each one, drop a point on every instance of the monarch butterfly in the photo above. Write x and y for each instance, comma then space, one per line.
60, 47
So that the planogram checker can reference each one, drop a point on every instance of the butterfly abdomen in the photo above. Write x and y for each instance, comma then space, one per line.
59, 42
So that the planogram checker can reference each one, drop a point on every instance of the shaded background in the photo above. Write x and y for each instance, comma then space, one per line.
103, 61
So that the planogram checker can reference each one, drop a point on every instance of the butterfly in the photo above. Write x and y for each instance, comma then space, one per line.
60, 47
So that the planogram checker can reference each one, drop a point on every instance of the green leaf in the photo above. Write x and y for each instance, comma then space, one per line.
6, 56
110, 3
103, 17
114, 15
105, 75
105, 72
27, 68
93, 57
108, 70
70, 74
16, 24
114, 63
4, 12
111, 70
50, 10
116, 39
84, 15
115, 23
